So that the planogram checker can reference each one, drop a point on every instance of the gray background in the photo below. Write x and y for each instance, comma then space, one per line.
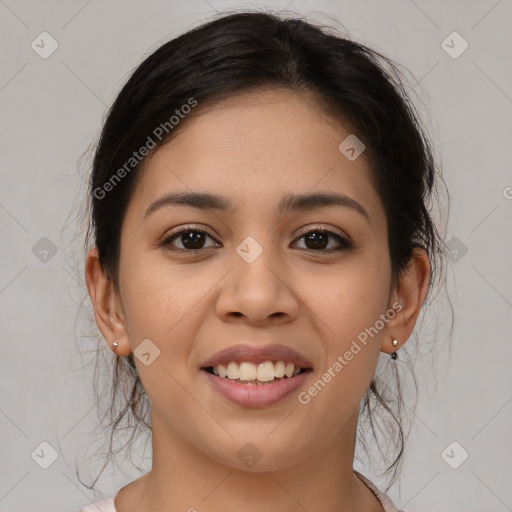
52, 110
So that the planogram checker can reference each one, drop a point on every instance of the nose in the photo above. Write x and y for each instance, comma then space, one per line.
257, 293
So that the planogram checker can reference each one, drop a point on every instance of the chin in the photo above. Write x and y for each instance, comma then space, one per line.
258, 456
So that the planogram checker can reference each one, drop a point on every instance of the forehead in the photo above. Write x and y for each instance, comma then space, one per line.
258, 147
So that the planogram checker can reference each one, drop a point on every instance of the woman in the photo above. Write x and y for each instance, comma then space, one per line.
261, 235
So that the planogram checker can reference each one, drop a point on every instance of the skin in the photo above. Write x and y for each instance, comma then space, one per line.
252, 149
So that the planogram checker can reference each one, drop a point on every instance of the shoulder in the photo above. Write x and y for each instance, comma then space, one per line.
384, 499
104, 505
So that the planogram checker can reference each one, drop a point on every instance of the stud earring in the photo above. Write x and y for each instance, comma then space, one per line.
393, 354
115, 344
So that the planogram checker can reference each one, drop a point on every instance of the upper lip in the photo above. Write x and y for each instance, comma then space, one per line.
257, 354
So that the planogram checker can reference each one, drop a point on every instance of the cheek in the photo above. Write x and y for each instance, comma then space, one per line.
350, 299
349, 309
159, 302
162, 303
345, 316
156, 294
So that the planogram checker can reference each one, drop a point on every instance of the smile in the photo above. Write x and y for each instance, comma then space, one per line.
254, 374
250, 385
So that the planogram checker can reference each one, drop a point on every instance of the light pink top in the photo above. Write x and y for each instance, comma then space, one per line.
107, 504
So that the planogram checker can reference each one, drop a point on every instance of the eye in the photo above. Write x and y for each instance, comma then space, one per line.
318, 241
191, 238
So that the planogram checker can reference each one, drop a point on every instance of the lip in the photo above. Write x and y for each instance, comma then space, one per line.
260, 395
257, 354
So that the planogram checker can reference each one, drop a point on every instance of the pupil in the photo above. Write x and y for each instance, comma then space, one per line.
322, 244
194, 238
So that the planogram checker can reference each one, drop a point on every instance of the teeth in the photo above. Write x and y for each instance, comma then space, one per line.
233, 371
266, 371
247, 371
279, 369
252, 373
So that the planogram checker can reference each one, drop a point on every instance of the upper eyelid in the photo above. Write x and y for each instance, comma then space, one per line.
302, 232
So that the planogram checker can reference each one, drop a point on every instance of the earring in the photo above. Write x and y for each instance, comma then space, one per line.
114, 344
393, 354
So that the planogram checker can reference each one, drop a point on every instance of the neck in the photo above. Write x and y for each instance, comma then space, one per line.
183, 478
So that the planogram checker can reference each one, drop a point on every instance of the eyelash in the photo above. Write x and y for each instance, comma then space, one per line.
344, 243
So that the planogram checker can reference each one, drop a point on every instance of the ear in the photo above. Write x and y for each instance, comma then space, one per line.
410, 293
106, 303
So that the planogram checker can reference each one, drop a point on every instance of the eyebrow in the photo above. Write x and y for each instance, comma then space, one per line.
288, 202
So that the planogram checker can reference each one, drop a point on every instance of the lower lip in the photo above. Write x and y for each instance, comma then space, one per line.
259, 395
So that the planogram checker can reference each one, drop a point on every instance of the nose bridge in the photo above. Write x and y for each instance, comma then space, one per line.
257, 265
258, 289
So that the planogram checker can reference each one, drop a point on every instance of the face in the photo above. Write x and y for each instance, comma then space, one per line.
196, 281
